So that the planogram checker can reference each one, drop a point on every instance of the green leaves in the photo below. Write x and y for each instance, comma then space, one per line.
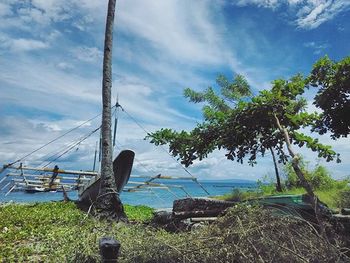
324, 151
333, 97
236, 90
246, 128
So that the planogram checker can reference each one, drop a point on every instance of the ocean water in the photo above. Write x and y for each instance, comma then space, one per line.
156, 198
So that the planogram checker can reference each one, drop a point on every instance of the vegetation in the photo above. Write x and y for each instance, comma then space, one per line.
333, 82
266, 122
53, 232
334, 193
246, 127
57, 231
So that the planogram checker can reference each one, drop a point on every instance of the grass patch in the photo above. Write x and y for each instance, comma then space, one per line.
140, 213
59, 232
56, 231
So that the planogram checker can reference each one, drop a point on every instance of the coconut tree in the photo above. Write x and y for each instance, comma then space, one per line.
108, 202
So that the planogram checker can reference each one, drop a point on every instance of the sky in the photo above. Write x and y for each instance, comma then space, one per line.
51, 71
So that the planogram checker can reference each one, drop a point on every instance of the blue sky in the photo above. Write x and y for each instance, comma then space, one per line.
51, 63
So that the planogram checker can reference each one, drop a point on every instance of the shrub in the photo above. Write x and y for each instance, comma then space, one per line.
319, 178
344, 198
238, 195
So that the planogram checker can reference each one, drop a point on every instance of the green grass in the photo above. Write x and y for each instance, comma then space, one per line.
59, 232
54, 231
139, 213
331, 196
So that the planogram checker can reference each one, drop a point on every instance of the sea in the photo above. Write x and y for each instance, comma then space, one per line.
156, 198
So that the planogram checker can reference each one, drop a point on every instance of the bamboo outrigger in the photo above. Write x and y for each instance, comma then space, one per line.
37, 179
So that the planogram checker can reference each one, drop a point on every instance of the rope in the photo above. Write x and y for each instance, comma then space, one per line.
57, 138
184, 168
73, 146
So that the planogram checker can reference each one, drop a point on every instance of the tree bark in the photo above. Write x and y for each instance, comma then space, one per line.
108, 202
301, 176
278, 179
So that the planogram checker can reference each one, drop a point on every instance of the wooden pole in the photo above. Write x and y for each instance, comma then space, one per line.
60, 171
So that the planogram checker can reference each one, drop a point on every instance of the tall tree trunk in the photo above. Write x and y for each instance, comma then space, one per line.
301, 176
108, 203
278, 179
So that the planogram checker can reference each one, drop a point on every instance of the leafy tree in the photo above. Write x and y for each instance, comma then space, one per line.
247, 128
333, 96
268, 121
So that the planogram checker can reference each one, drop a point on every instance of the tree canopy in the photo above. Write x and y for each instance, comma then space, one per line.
333, 97
245, 125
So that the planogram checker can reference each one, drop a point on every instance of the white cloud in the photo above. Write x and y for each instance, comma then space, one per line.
308, 14
87, 54
5, 9
260, 3
174, 28
64, 65
22, 44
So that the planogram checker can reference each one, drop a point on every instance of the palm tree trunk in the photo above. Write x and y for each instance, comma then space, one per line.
278, 179
108, 202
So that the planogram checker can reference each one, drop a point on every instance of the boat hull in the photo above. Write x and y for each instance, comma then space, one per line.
122, 166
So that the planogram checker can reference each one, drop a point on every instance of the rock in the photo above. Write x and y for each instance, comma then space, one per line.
162, 217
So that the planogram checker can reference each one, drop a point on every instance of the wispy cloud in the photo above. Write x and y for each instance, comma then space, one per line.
22, 44
318, 48
306, 14
88, 54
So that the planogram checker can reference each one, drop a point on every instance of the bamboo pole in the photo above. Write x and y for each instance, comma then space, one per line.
29, 182
6, 185
11, 189
49, 176
60, 171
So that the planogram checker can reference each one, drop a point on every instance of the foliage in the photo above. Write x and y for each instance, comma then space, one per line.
343, 199
333, 97
334, 198
139, 213
334, 193
245, 128
319, 177
238, 195
55, 232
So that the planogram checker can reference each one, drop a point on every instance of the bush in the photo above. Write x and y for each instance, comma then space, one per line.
344, 199
319, 178
238, 195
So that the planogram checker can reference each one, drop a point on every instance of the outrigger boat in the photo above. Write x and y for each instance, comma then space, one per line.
87, 183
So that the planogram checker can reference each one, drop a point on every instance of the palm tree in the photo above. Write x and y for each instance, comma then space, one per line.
108, 203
